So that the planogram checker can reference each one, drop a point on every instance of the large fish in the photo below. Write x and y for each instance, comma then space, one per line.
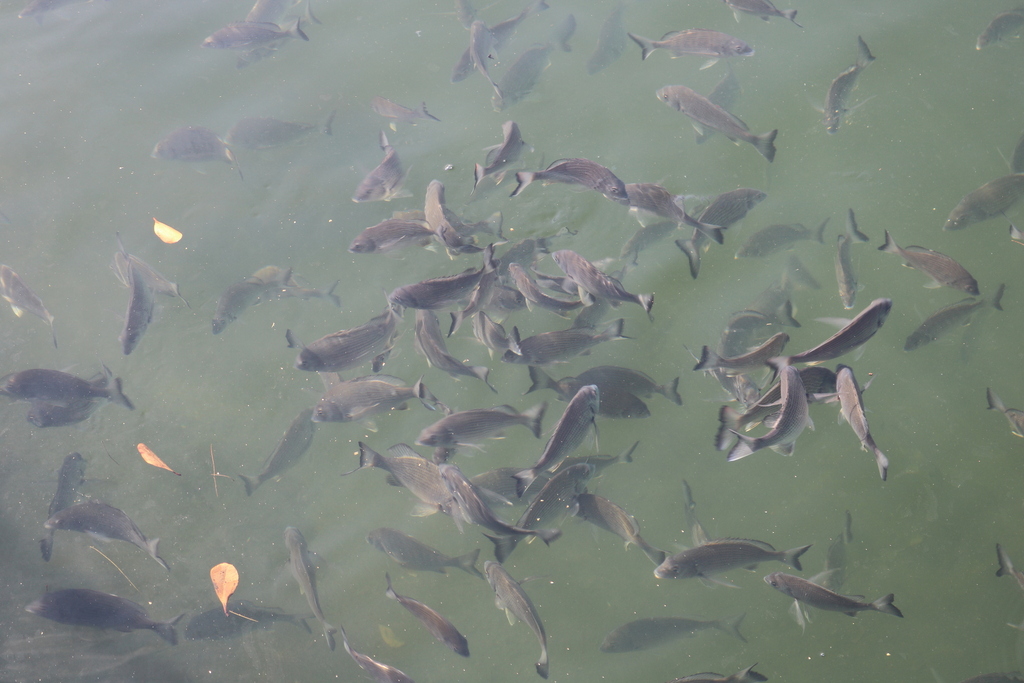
418, 556
793, 418
708, 115
357, 399
106, 523
988, 201
411, 471
606, 515
243, 617
611, 41
760, 8
695, 41
724, 210
568, 434
295, 442
140, 305
72, 473
842, 86
854, 334
949, 318
510, 597
124, 262
560, 345
500, 156
400, 114
1004, 25
814, 595
585, 172
349, 348
266, 284
246, 35
714, 557
610, 380
383, 183
441, 292
943, 270
61, 388
779, 237
439, 627
22, 299
752, 360
261, 132
85, 607
521, 77
1014, 417
591, 280
392, 234
304, 570
525, 283
194, 143
654, 199
644, 634
477, 424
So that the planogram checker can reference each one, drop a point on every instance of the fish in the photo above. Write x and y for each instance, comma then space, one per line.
37, 8
854, 334
834, 573
266, 284
242, 617
245, 35
194, 143
564, 32
724, 210
521, 77
644, 634
349, 348
606, 515
778, 237
292, 446
447, 227
646, 237
106, 523
992, 199
1014, 417
510, 597
383, 183
591, 280
556, 500
526, 285
439, 627
260, 132
949, 318
391, 234
708, 115
845, 276
123, 262
46, 414
418, 556
748, 675
357, 399
560, 345
718, 556
842, 86
86, 607
382, 673
695, 41
22, 299
724, 95
71, 475
611, 42
577, 172
393, 110
471, 426
140, 306
491, 334
566, 436
503, 31
737, 365
430, 344
1004, 25
851, 402
304, 570
441, 292
1008, 677
406, 468
501, 156
760, 8
793, 418
481, 48
1006, 567
697, 530
943, 270
816, 596
54, 386
607, 378
652, 198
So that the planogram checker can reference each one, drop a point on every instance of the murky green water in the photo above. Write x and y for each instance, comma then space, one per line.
87, 94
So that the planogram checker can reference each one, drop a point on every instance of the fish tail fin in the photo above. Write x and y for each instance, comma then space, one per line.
151, 547
422, 111
117, 395
748, 675
250, 483
646, 45
1005, 565
819, 232
424, 395
523, 178
457, 318
864, 56
467, 563
540, 380
329, 122
742, 449
671, 392
881, 461
653, 554
481, 372
478, 175
732, 626
614, 330
890, 245
708, 359
329, 294
369, 457
765, 144
491, 264
329, 632
503, 546
689, 248
647, 301
792, 557
994, 402
46, 546
549, 536
165, 629
534, 417
885, 605
293, 341
295, 30
728, 423
997, 297
523, 480
542, 666
791, 15
627, 455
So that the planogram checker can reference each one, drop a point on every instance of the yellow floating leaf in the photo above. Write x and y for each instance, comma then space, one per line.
225, 580
153, 459
389, 637
166, 233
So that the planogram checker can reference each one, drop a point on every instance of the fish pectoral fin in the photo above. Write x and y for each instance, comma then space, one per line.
424, 510
511, 617
708, 581
708, 64
783, 448
850, 614
97, 536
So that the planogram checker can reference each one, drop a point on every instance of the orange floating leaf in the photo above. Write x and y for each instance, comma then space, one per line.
153, 459
225, 580
166, 233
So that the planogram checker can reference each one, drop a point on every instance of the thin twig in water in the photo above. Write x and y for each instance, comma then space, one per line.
115, 567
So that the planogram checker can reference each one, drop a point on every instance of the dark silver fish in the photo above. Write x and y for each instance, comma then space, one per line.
54, 386
441, 292
471, 426
124, 261
430, 344
1014, 416
447, 227
439, 627
845, 275
391, 234
521, 77
106, 523
292, 446
525, 283
382, 673
359, 398
817, 596
1004, 25
1008, 677
406, 468
725, 210
988, 201
85, 607
481, 48
418, 556
260, 132
695, 41
266, 284
721, 555
607, 378
22, 299
949, 318
501, 156
242, 617
583, 172
653, 199
72, 473
568, 434
606, 515
504, 30
194, 143
611, 42
793, 418
245, 35
706, 114
304, 570
383, 183
393, 110
736, 365
724, 95
46, 414
349, 348
1006, 567
842, 86
697, 530
590, 279
760, 8
646, 236
748, 675
564, 32
779, 237
560, 345
140, 305
855, 333
510, 597
943, 270
644, 634
491, 334
851, 402
37, 8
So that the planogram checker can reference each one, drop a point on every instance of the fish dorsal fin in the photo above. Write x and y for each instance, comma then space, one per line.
505, 409
760, 544
404, 450
387, 379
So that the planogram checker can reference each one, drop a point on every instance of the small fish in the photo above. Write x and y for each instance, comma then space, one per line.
521, 77
501, 156
266, 284
194, 143
737, 365
564, 32
391, 234
724, 210
568, 434
430, 344
760, 8
15, 292
439, 627
816, 596
292, 446
503, 31
988, 201
471, 426
697, 530
644, 634
71, 475
393, 110
245, 35
748, 675
851, 402
441, 292
1004, 25
949, 318
560, 345
1006, 567
652, 198
1014, 416
845, 275
106, 523
242, 617
383, 183
842, 86
357, 399
606, 515
140, 305
124, 261
304, 570
481, 48
577, 172
37, 8
834, 573
611, 42
718, 556
54, 386
510, 597
382, 673
793, 418
943, 270
607, 378
406, 468
257, 132
417, 556
779, 237
708, 115
85, 607
1008, 677
349, 348
525, 283
446, 225
591, 280
695, 41
854, 334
